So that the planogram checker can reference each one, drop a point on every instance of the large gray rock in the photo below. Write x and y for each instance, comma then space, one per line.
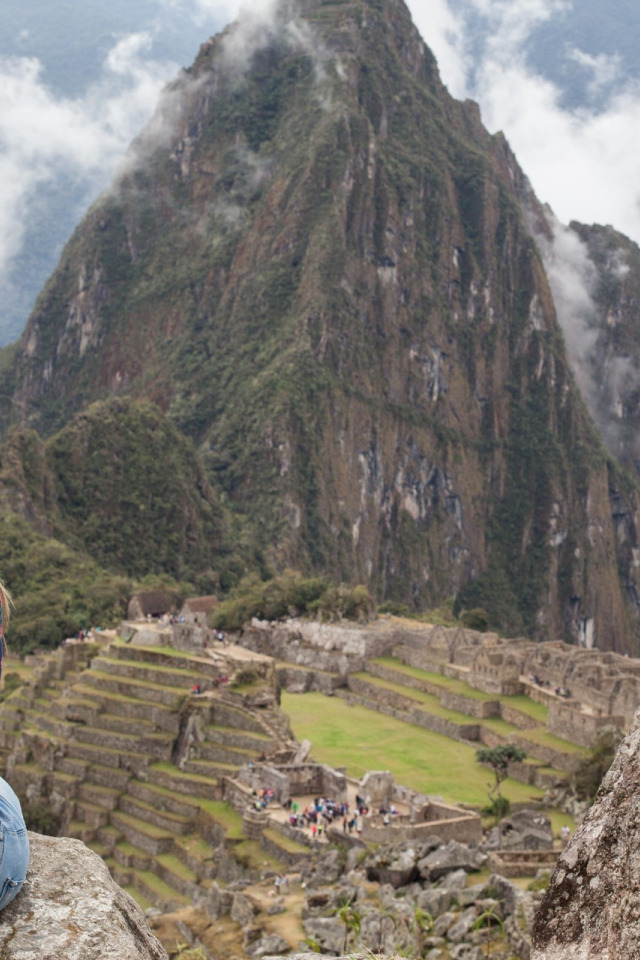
591, 910
327, 932
453, 856
526, 830
71, 909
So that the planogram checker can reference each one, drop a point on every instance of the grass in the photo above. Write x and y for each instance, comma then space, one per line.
226, 816
560, 819
362, 740
176, 866
537, 711
143, 902
521, 702
428, 700
160, 888
545, 739
250, 853
195, 846
447, 683
285, 842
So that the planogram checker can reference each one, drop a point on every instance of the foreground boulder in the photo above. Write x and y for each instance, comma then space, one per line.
591, 910
71, 909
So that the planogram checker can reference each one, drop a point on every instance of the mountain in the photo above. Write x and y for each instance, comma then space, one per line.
72, 43
319, 267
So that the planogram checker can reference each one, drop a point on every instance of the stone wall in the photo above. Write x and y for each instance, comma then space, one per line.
516, 717
191, 638
553, 758
464, 828
335, 648
298, 679
566, 720
480, 709
396, 706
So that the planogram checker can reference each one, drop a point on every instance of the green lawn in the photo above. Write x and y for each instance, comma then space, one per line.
361, 740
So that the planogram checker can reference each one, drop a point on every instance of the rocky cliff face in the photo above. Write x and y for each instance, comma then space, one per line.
317, 265
609, 353
591, 908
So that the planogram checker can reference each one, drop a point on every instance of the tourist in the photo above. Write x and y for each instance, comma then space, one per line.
565, 833
14, 843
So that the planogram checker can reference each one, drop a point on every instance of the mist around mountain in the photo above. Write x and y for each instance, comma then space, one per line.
565, 68
326, 275
72, 72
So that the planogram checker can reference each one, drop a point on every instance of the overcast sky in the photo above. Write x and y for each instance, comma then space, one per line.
584, 162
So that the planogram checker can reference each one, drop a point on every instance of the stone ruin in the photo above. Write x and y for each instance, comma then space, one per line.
604, 688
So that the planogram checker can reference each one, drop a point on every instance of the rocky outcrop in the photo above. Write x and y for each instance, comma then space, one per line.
591, 910
71, 909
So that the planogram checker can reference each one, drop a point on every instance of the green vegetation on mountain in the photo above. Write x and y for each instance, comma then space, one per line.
292, 595
323, 278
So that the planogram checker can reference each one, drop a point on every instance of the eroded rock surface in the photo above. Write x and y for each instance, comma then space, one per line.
591, 910
71, 909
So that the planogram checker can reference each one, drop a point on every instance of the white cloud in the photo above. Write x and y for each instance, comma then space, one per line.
41, 134
585, 163
445, 36
604, 69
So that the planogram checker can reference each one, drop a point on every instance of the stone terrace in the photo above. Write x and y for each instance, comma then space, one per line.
138, 767
604, 687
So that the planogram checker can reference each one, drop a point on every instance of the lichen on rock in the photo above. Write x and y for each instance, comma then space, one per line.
591, 910
71, 909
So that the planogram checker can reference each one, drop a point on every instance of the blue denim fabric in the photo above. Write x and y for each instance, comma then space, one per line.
14, 845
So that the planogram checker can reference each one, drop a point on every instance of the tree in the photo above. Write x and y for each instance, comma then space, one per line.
499, 758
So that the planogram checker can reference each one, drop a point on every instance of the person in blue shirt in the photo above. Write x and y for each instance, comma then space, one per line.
14, 842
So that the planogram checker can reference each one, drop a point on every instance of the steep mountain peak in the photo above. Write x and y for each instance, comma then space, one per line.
316, 264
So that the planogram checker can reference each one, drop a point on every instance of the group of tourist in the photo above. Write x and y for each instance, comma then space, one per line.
559, 691
263, 798
322, 813
196, 689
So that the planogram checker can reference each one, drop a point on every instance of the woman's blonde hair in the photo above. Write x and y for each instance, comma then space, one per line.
7, 603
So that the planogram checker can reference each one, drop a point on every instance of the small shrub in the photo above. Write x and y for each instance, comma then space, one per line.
11, 682
540, 883
395, 609
498, 808
185, 952
40, 818
476, 619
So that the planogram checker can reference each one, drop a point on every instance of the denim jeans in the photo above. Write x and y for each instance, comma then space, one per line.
14, 845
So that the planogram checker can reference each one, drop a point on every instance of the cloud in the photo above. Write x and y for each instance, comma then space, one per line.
42, 135
583, 162
445, 35
573, 279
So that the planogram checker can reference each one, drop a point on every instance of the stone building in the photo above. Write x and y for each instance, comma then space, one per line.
196, 610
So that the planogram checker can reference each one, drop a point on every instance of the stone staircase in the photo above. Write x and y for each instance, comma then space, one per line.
134, 763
